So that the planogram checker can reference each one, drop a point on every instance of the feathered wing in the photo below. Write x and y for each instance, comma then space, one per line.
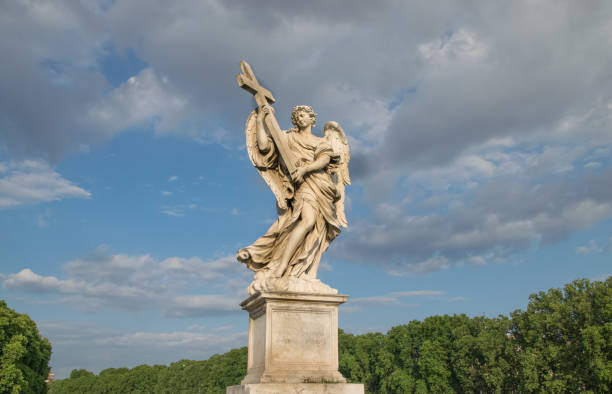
267, 164
337, 139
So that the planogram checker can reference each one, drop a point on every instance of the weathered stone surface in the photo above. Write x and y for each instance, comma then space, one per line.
293, 338
290, 284
297, 388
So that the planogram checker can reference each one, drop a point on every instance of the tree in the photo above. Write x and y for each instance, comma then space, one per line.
24, 354
78, 373
448, 354
364, 359
185, 376
564, 339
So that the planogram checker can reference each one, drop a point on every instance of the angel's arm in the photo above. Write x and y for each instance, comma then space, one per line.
263, 141
321, 162
318, 164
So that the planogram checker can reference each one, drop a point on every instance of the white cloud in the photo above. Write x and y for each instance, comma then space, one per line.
592, 164
173, 212
366, 115
201, 305
493, 222
116, 268
42, 220
178, 210
99, 292
200, 269
144, 99
592, 247
396, 299
432, 264
196, 327
324, 266
483, 163
377, 300
476, 260
104, 280
32, 182
29, 281
417, 293
164, 340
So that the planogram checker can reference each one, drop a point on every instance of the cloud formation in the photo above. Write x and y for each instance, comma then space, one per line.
30, 182
422, 83
394, 297
118, 281
479, 115
397, 299
490, 223
144, 99
593, 247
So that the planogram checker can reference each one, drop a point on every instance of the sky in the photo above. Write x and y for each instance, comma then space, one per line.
481, 147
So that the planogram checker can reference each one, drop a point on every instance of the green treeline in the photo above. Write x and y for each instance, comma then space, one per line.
185, 376
562, 343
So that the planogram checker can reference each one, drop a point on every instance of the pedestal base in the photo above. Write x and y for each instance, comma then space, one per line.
297, 388
293, 338
293, 345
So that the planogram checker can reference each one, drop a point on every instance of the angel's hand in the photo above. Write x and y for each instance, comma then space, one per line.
266, 110
298, 175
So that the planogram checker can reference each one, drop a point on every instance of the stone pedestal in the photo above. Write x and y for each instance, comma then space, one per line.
297, 388
293, 344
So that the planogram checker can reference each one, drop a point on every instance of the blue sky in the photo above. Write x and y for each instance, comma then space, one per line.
480, 133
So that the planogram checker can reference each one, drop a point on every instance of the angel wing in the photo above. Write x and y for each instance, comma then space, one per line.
340, 172
267, 164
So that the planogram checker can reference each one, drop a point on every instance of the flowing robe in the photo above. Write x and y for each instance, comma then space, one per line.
318, 191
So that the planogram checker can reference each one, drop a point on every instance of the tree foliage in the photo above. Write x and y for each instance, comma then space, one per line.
24, 354
185, 376
564, 339
561, 343
442, 354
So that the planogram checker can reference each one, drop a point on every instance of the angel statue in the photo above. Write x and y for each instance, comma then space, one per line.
307, 174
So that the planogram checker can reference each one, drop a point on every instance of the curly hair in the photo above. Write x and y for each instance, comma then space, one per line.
306, 108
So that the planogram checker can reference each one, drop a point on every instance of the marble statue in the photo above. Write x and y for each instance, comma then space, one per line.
293, 316
307, 175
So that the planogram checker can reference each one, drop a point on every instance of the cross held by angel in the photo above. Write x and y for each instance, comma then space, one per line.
307, 175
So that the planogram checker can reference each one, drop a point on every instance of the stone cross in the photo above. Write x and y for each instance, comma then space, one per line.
248, 82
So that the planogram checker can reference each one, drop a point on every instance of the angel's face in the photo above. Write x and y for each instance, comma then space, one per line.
304, 119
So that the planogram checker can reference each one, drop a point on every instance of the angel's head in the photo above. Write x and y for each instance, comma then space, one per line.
307, 111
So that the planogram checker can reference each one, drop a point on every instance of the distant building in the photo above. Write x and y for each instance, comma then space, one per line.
50, 377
